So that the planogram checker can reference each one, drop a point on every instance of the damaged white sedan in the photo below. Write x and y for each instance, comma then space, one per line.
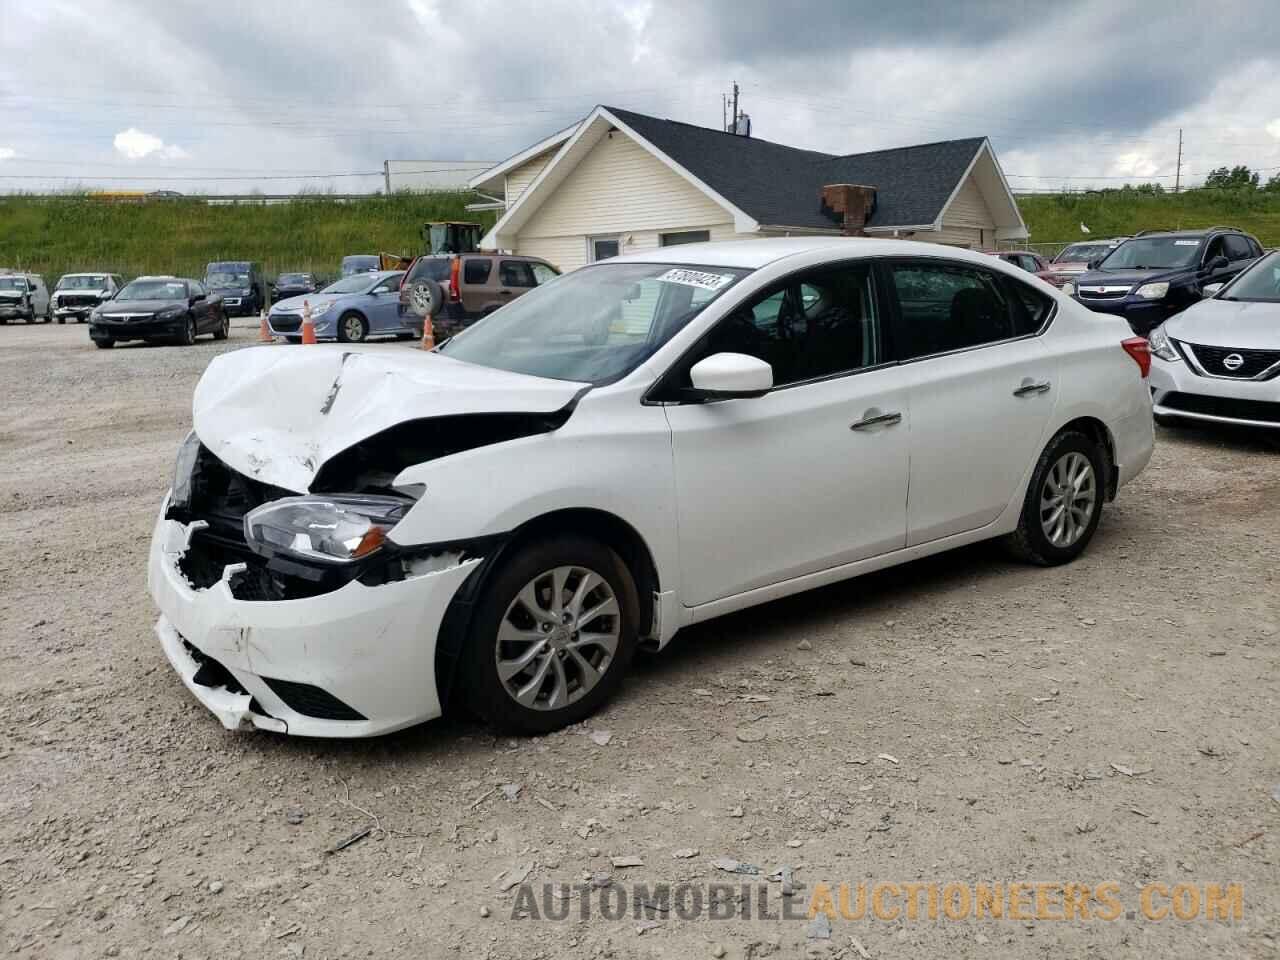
355, 540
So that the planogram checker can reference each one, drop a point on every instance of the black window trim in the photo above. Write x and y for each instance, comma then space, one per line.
896, 319
888, 316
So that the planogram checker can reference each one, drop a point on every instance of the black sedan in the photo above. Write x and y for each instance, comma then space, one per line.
175, 309
293, 285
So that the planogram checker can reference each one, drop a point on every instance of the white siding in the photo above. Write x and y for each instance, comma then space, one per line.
968, 221
619, 189
520, 178
970, 237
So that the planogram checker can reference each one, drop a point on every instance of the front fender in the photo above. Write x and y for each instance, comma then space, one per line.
610, 456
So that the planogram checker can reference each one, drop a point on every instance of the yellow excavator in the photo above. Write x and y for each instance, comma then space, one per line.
444, 236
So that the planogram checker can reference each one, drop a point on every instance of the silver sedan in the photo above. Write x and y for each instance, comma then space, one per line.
1219, 360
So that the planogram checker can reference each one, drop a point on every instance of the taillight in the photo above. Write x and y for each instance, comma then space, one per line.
1140, 350
455, 269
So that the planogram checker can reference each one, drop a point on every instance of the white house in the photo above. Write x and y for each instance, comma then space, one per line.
620, 182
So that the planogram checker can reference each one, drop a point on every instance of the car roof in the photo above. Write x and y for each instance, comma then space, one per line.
754, 254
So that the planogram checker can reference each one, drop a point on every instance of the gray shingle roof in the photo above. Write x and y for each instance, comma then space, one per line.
780, 185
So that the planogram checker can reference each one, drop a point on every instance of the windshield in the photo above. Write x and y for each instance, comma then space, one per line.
355, 284
359, 264
153, 290
227, 275
13, 283
82, 283
1153, 253
293, 278
594, 325
1083, 252
1260, 283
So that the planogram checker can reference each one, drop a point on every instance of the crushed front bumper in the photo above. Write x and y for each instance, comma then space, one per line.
368, 649
1178, 391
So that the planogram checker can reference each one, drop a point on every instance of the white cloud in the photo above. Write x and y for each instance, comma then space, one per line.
1273, 128
135, 145
1135, 165
7, 153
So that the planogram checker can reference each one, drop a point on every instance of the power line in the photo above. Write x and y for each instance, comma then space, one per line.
312, 176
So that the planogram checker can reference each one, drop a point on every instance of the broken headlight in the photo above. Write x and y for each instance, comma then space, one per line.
330, 530
184, 470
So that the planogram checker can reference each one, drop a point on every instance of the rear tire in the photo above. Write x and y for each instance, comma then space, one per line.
1063, 503
520, 620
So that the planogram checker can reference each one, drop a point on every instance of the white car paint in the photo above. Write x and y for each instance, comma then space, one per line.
1216, 322
736, 502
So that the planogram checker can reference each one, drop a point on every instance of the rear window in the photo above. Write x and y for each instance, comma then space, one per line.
429, 268
475, 270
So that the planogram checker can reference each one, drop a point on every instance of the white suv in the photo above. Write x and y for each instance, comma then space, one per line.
354, 538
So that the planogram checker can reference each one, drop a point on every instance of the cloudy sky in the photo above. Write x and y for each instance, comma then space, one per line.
271, 95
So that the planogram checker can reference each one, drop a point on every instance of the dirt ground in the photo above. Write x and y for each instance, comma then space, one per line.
959, 720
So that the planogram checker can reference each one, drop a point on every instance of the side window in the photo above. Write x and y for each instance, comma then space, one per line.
683, 236
944, 307
1238, 247
812, 325
515, 273
387, 285
542, 273
475, 270
1214, 249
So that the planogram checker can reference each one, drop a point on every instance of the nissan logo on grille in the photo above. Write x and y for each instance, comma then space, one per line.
1233, 361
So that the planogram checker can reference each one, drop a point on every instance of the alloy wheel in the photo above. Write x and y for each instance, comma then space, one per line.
353, 328
558, 638
1067, 499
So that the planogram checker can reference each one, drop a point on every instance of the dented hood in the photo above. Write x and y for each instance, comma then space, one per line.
278, 413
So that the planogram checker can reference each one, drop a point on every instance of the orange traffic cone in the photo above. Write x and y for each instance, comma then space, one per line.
428, 334
308, 328
264, 331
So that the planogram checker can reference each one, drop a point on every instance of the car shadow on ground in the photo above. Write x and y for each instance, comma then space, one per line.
1218, 436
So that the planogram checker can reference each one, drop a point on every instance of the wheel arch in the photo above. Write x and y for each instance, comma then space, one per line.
601, 525
1099, 433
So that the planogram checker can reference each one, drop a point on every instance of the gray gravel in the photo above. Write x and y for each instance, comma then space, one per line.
1113, 720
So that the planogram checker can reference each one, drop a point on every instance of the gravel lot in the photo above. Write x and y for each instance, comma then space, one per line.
959, 719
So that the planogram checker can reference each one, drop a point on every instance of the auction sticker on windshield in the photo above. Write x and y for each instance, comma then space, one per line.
696, 278
1186, 243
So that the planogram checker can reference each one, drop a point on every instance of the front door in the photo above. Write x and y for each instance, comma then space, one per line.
384, 306
982, 389
811, 475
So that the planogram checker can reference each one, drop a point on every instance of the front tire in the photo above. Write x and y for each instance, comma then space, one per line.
188, 335
553, 636
352, 328
106, 344
1063, 503
223, 329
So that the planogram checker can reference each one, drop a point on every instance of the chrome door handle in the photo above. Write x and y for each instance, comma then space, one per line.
880, 420
1031, 389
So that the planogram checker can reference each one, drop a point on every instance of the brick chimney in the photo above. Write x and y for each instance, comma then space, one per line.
850, 205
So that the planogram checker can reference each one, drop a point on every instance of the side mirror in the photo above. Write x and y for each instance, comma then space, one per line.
729, 376
1095, 263
1211, 289
198, 297
1218, 262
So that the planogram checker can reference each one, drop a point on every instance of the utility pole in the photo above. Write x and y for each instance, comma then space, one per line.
735, 106
1177, 177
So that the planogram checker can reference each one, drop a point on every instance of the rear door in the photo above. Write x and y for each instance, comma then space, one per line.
515, 277
981, 389
476, 292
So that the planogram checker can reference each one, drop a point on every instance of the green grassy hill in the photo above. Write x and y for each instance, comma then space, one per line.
180, 236
1053, 219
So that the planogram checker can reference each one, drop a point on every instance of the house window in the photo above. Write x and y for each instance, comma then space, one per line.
684, 236
602, 248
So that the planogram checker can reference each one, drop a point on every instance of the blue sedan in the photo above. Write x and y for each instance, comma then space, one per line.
350, 311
